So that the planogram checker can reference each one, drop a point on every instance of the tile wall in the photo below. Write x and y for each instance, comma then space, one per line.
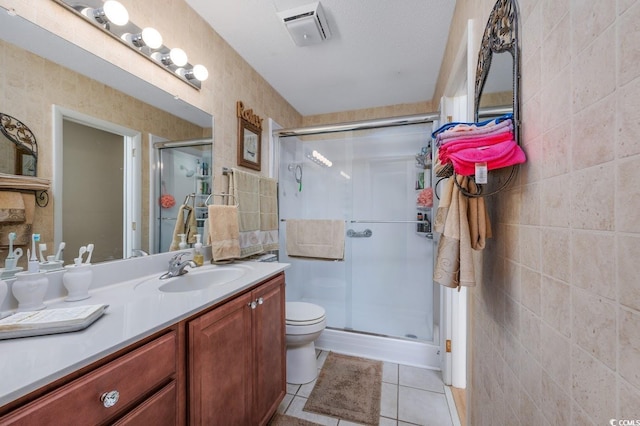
556, 317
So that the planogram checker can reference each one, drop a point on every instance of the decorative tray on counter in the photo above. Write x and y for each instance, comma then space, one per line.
50, 321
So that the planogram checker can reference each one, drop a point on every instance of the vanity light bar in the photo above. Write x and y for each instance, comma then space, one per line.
113, 18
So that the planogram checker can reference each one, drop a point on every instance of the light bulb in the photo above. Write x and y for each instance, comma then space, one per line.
178, 57
152, 37
200, 72
115, 12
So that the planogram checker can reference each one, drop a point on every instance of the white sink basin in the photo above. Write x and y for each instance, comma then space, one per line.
194, 280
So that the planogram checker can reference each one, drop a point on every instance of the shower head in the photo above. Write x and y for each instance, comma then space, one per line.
189, 172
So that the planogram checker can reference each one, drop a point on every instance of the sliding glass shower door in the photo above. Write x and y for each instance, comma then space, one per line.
369, 179
184, 177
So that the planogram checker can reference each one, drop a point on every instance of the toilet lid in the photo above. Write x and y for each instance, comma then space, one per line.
303, 313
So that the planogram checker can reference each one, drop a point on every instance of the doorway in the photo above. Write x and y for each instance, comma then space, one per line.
97, 182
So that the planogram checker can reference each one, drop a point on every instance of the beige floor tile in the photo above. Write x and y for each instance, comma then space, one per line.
320, 359
389, 401
292, 389
390, 372
423, 407
296, 410
282, 408
305, 390
421, 378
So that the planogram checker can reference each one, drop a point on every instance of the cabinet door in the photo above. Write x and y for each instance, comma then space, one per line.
220, 360
270, 351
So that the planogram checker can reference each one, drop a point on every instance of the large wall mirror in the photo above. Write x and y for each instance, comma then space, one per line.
497, 85
60, 73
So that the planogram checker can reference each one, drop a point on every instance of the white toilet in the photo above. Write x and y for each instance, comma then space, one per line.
304, 323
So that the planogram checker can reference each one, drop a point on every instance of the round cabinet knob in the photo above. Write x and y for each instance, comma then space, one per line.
253, 304
109, 399
260, 301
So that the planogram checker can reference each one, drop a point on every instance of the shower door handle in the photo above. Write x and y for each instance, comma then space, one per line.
359, 234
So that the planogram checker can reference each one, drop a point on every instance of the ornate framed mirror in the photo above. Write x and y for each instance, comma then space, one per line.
18, 147
249, 137
498, 71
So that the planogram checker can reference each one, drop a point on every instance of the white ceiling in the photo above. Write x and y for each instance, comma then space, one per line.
382, 52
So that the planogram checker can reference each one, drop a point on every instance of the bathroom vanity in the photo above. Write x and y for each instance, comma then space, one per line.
208, 356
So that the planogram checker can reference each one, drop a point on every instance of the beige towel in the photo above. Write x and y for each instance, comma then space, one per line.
191, 226
24, 182
245, 188
224, 232
11, 207
479, 224
322, 239
454, 261
179, 228
269, 214
23, 230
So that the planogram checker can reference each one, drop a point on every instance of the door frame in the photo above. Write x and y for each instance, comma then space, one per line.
132, 190
457, 105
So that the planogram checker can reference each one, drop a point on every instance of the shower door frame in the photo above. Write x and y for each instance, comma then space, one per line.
357, 340
155, 144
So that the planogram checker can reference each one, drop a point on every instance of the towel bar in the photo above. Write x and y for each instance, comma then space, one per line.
206, 202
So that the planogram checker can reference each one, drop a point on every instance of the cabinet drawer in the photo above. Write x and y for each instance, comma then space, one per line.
132, 376
158, 410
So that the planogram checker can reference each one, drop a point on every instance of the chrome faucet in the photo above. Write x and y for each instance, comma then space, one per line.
176, 267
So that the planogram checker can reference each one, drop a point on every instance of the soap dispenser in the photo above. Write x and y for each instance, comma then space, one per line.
183, 241
198, 257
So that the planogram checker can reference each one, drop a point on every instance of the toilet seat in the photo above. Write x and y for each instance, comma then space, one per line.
302, 313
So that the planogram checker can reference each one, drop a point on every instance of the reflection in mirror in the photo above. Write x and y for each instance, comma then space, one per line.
118, 98
498, 71
184, 184
18, 147
498, 87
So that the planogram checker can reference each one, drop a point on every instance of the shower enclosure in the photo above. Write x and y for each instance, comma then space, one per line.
370, 179
183, 177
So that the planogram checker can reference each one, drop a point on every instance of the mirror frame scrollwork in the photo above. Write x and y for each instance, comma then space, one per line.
24, 139
500, 35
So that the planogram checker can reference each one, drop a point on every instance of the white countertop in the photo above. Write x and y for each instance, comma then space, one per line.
27, 364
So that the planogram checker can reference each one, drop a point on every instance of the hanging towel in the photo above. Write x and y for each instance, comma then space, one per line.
32, 183
23, 229
479, 224
11, 207
268, 213
245, 188
191, 226
224, 232
179, 228
322, 239
454, 262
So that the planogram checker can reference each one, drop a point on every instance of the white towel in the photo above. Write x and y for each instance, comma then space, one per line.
321, 239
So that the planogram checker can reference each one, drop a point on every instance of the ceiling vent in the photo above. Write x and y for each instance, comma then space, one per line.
306, 24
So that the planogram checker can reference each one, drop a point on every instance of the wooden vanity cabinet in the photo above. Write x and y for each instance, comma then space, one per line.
137, 383
223, 367
236, 359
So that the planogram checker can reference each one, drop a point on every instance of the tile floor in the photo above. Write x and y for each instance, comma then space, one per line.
410, 396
